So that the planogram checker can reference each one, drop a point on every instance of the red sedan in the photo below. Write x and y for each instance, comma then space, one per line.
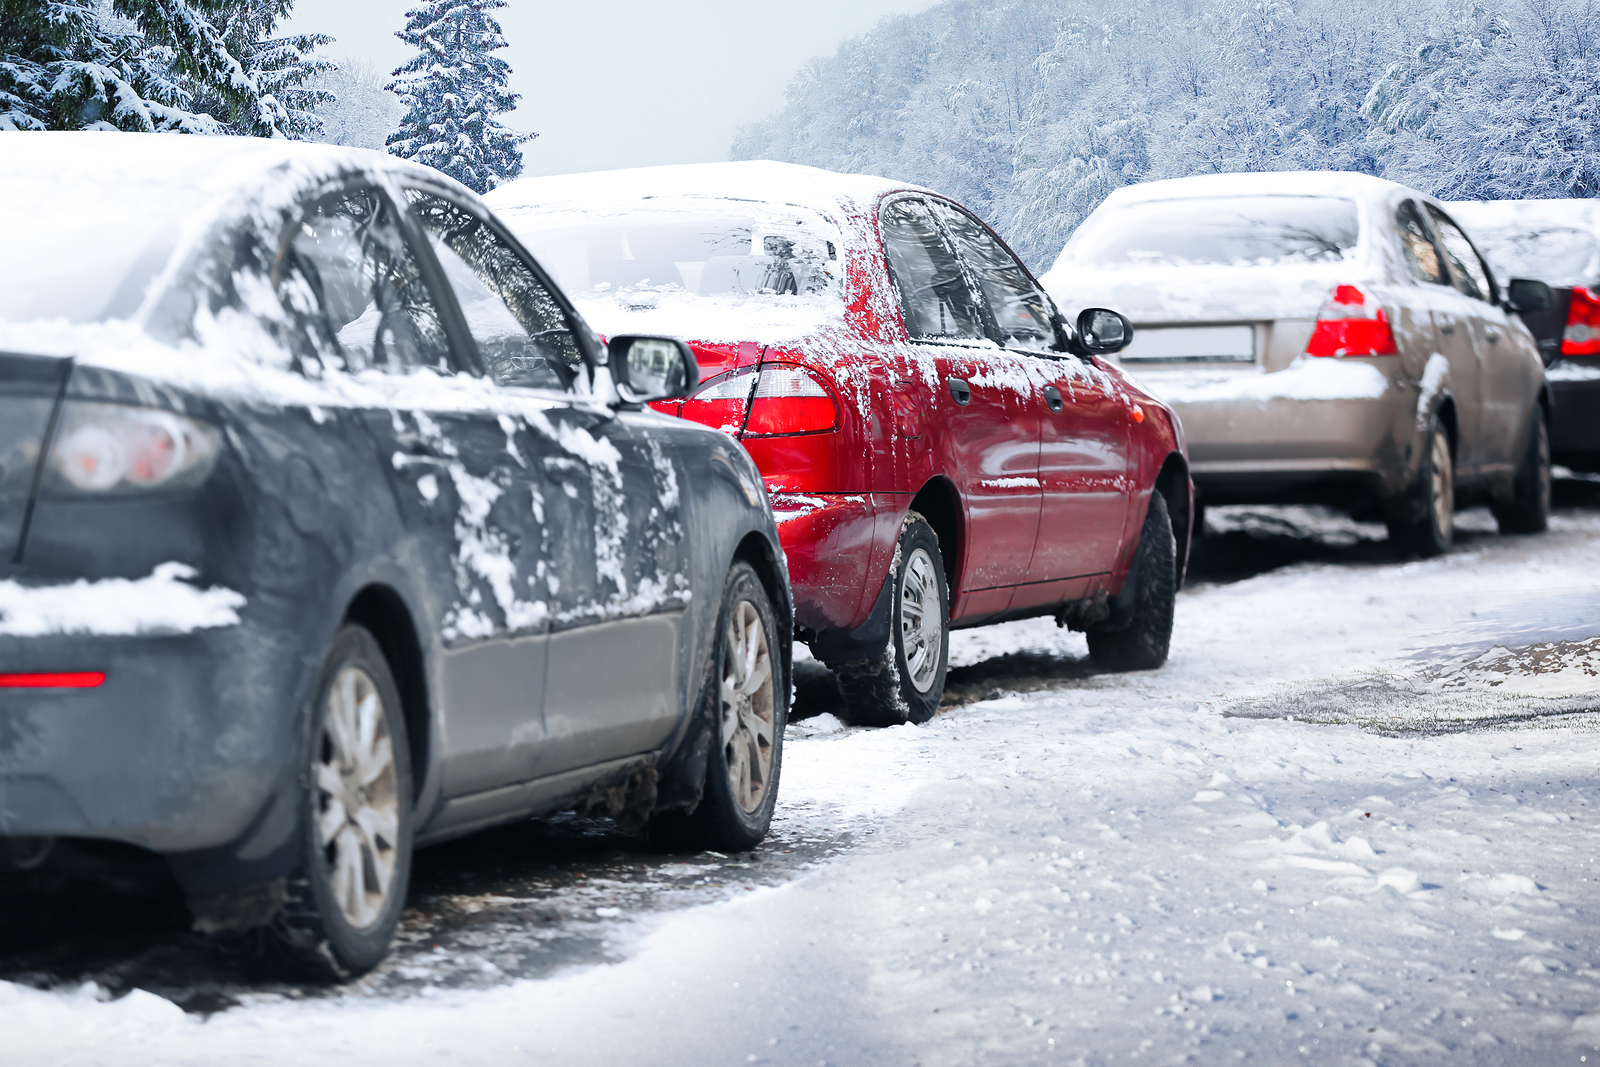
940, 447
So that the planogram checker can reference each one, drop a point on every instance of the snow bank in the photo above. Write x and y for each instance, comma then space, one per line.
164, 602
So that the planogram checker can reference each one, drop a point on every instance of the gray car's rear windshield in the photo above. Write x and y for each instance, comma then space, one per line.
1230, 230
83, 258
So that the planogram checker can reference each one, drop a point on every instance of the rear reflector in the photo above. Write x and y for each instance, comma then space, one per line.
790, 399
53, 680
1582, 335
1351, 325
722, 403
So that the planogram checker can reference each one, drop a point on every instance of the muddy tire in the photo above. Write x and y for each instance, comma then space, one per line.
1422, 524
344, 902
745, 698
1528, 510
908, 682
1142, 643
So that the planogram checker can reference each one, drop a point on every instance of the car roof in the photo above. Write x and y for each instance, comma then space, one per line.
764, 181
198, 167
1349, 184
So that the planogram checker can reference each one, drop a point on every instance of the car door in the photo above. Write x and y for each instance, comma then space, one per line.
1083, 440
611, 567
1504, 377
1456, 319
985, 421
462, 493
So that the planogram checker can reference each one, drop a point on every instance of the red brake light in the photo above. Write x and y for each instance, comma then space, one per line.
788, 400
1582, 335
53, 680
1351, 325
722, 403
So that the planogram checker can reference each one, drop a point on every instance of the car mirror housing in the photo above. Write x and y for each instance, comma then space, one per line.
652, 368
1527, 294
1101, 332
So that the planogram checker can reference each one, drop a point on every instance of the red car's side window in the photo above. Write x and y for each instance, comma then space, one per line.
934, 295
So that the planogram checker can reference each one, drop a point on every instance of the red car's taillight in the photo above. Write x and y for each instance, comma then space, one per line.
1582, 335
722, 403
1351, 325
790, 399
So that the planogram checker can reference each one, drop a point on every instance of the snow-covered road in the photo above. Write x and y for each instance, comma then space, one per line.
1356, 819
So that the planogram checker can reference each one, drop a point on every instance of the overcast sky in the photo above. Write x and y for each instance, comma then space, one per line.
628, 83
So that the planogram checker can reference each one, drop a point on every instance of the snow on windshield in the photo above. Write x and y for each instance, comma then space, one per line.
701, 267
1220, 230
91, 263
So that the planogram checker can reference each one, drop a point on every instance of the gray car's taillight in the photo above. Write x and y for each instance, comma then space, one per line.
113, 448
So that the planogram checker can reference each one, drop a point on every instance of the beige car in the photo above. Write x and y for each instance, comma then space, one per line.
1326, 338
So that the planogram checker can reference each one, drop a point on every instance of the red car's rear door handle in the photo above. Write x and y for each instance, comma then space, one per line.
960, 391
1052, 398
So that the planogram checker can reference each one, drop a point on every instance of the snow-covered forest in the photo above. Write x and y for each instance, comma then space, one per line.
1032, 111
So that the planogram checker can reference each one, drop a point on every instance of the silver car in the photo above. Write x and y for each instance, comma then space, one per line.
1326, 338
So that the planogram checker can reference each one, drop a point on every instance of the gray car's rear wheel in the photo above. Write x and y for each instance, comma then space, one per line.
746, 698
1422, 524
908, 683
1528, 510
345, 900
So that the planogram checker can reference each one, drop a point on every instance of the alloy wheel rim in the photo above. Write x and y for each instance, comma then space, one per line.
921, 622
749, 711
358, 798
1443, 489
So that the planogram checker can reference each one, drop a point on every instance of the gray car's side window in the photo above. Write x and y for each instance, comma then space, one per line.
522, 333
934, 295
1422, 256
1471, 276
1020, 310
350, 277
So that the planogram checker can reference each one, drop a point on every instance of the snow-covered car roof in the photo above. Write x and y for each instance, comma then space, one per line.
1555, 241
758, 180
1348, 184
560, 219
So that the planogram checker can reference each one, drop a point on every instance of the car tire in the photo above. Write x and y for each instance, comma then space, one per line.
745, 699
1528, 510
1423, 525
345, 900
1142, 643
907, 684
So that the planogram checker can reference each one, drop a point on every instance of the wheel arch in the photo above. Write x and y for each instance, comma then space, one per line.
767, 560
1172, 481
383, 612
1446, 412
938, 502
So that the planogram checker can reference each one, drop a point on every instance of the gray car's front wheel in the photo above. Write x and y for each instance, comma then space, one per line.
345, 901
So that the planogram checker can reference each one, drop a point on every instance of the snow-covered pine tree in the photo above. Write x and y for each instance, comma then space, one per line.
77, 65
283, 68
195, 66
453, 90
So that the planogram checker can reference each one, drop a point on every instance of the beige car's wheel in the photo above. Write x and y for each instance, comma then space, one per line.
1422, 524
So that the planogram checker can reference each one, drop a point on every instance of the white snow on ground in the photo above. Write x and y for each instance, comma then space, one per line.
163, 602
1158, 867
